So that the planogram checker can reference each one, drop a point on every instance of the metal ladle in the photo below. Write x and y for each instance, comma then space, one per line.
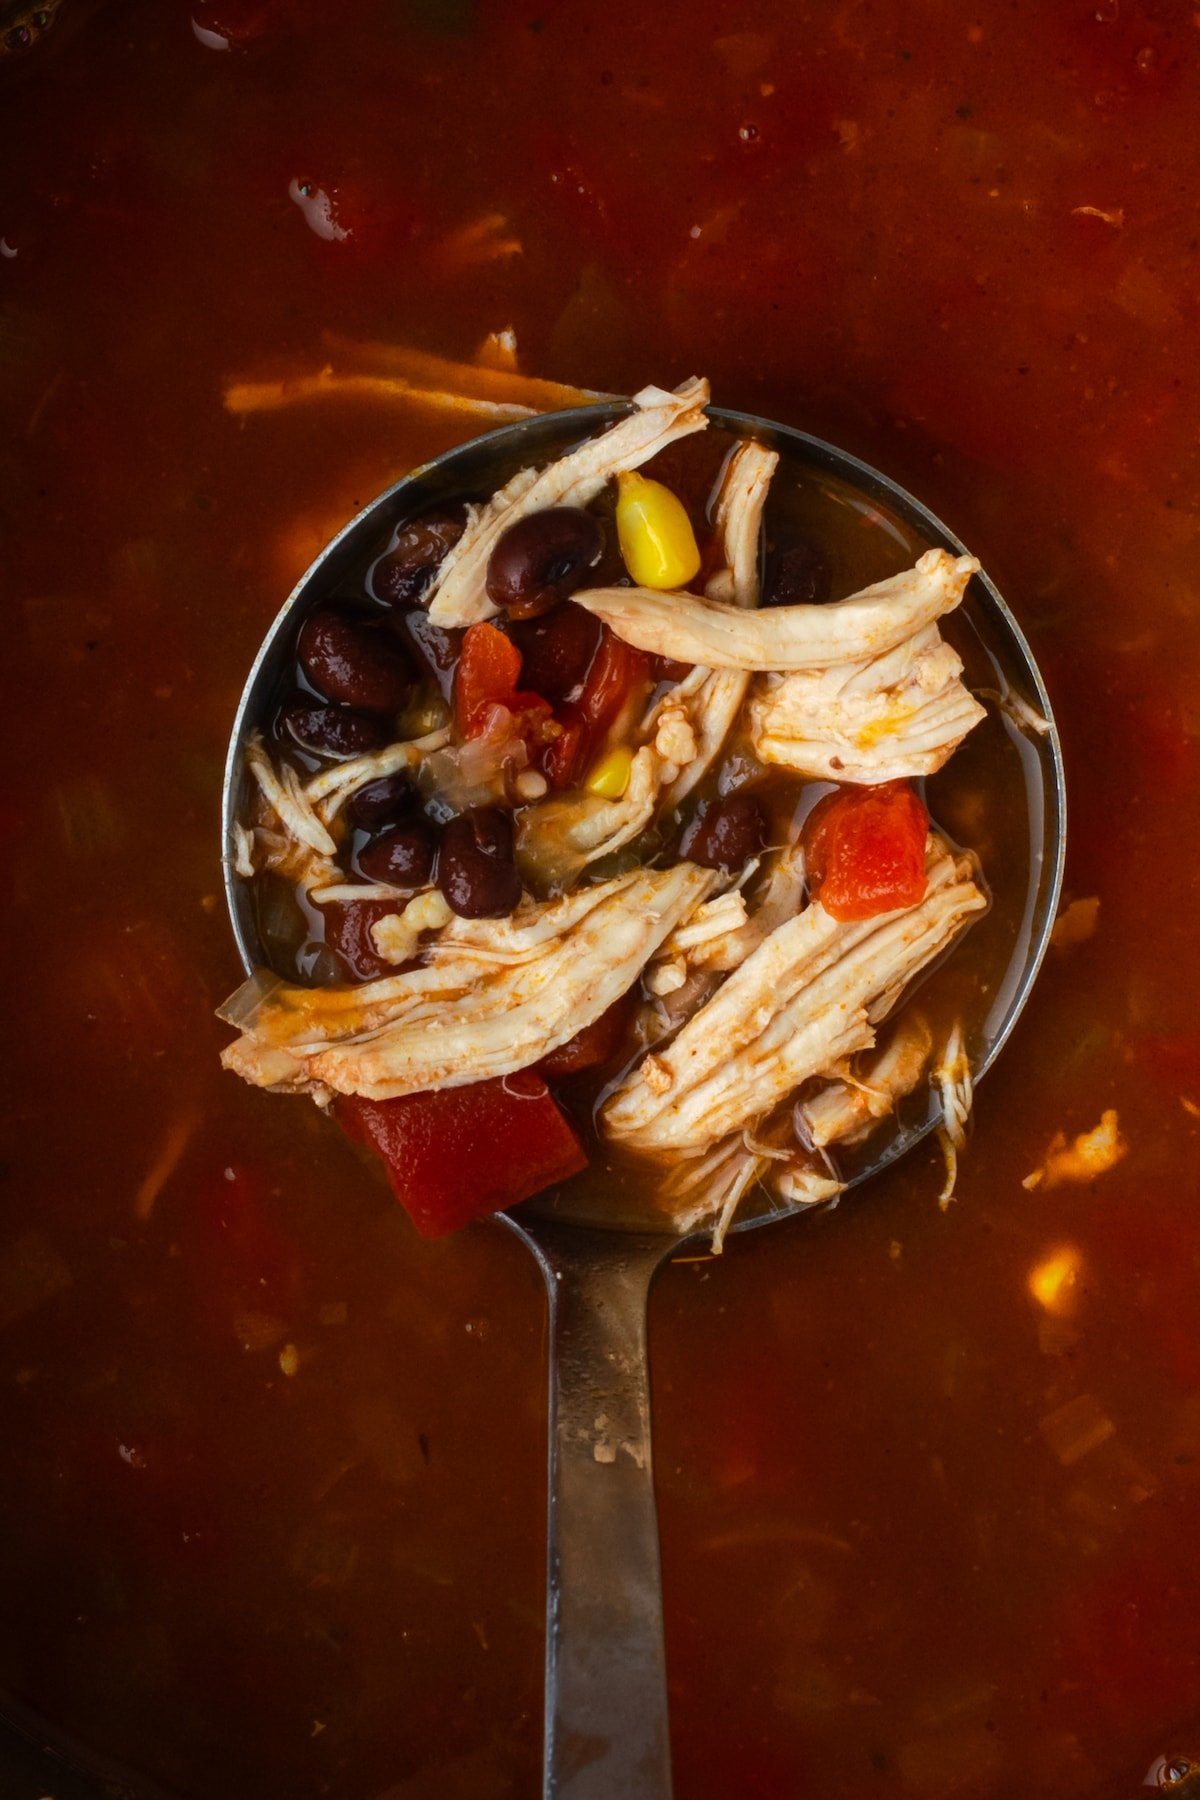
606, 1719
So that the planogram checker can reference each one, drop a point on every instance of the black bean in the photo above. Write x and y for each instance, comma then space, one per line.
402, 855
557, 650
348, 659
382, 802
476, 873
542, 559
801, 575
332, 730
726, 834
348, 932
438, 648
407, 568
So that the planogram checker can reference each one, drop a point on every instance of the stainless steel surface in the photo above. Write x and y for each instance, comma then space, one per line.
606, 1735
606, 1730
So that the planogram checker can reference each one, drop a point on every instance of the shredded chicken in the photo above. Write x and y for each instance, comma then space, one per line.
557, 839
899, 715
329, 790
708, 1189
711, 920
803, 1002
674, 737
287, 799
343, 893
489, 388
665, 977
739, 512
292, 834
1085, 1157
1076, 923
802, 1186
494, 996
776, 900
866, 625
245, 397
287, 835
955, 1088
850, 1107
713, 698
243, 851
459, 595
723, 932
1024, 715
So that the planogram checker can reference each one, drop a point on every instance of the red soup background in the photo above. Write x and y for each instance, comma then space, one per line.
930, 1519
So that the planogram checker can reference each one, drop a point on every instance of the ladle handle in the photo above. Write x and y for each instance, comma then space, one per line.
606, 1688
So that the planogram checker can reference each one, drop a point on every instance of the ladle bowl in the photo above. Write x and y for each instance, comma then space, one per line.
606, 1719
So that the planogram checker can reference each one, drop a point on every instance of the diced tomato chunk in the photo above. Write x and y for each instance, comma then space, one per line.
489, 667
597, 1043
864, 850
487, 702
566, 757
456, 1154
615, 670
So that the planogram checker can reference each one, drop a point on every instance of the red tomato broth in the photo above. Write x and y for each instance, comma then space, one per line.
934, 303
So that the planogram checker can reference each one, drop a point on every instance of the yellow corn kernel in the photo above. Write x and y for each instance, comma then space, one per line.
610, 777
655, 533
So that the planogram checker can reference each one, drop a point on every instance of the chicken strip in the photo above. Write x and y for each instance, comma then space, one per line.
804, 1001
287, 799
720, 934
896, 716
458, 595
494, 996
329, 790
850, 1107
291, 834
708, 1189
558, 838
714, 701
866, 625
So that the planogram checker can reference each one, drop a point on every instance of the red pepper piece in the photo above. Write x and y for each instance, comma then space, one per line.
460, 1152
615, 670
597, 1043
864, 849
